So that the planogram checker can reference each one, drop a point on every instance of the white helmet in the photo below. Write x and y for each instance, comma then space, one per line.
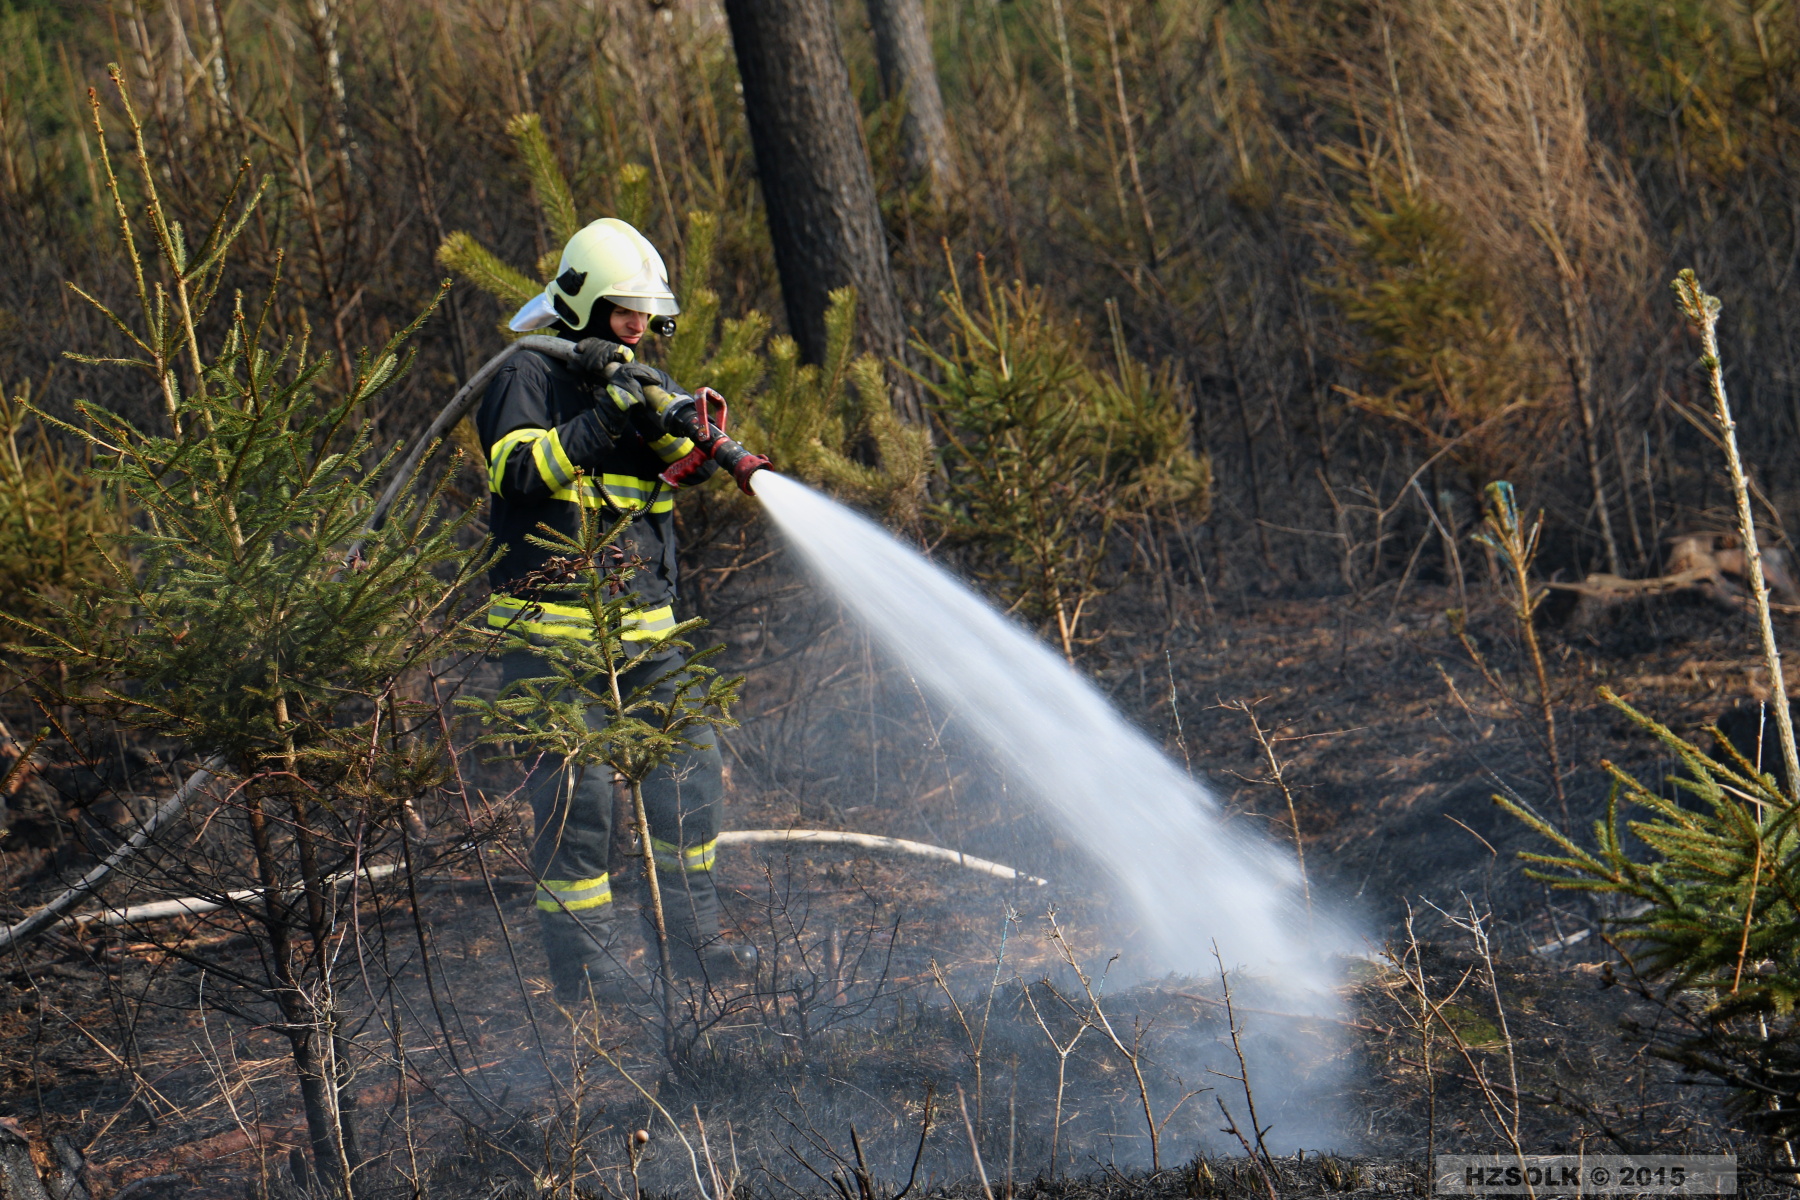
608, 259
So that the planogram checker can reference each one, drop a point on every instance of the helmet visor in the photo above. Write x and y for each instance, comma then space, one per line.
657, 305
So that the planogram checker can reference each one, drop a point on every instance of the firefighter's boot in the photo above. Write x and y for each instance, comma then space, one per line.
697, 953
584, 952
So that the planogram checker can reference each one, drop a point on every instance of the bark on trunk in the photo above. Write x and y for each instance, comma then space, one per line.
824, 220
903, 50
18, 1173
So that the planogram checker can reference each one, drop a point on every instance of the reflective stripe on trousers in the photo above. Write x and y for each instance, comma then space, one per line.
670, 857
572, 620
574, 895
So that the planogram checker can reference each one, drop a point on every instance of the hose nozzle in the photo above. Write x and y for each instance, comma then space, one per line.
740, 462
693, 420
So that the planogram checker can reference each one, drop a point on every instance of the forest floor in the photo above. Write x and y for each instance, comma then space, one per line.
902, 982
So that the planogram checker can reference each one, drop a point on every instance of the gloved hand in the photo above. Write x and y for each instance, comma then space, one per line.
698, 465
664, 394
626, 384
593, 354
643, 419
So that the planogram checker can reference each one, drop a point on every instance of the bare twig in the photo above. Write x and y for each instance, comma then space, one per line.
1095, 1015
924, 1131
1279, 779
1237, 1048
1256, 1161
974, 1147
1062, 1071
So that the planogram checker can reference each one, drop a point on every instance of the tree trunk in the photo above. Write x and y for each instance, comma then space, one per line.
814, 170
903, 49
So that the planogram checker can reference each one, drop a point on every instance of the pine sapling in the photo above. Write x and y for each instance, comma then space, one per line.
1713, 913
1504, 532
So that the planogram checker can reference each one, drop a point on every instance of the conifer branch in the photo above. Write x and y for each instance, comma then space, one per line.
549, 185
463, 254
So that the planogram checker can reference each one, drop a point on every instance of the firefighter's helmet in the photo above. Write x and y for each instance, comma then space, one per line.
606, 260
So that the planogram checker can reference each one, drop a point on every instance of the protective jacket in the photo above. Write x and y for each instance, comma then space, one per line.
557, 444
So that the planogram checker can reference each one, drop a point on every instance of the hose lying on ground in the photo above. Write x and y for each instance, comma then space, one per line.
465, 398
162, 910
45, 917
745, 837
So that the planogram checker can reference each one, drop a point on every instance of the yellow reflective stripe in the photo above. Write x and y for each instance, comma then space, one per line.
503, 448
549, 620
694, 859
553, 461
631, 486
571, 620
672, 449
649, 624
573, 895
624, 492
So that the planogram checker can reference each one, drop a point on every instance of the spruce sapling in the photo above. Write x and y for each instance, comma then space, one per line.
1703, 311
1504, 532
1712, 915
1715, 914
547, 714
228, 620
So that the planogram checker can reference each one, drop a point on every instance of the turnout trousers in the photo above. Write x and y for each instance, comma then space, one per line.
572, 810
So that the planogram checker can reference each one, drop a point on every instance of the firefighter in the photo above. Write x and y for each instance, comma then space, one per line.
561, 437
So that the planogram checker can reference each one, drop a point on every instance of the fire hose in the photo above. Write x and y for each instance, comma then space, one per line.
686, 417
41, 920
187, 906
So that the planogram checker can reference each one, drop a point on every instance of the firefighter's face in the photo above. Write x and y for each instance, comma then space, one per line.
628, 326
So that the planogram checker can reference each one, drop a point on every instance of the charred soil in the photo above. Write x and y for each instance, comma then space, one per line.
887, 984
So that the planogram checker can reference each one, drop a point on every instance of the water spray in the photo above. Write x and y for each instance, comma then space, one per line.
1153, 836
1194, 881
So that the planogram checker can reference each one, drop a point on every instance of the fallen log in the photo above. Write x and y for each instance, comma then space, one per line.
69, 1182
1708, 565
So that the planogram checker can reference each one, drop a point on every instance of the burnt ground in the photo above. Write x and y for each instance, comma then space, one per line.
890, 980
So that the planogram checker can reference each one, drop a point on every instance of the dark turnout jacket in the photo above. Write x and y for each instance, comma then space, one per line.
555, 445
